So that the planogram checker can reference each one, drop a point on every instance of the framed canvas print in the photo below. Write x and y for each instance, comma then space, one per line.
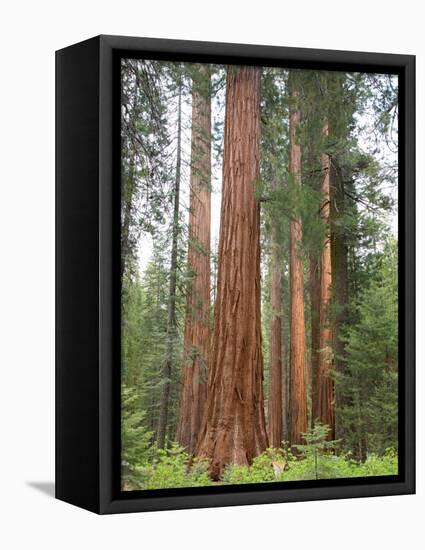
235, 274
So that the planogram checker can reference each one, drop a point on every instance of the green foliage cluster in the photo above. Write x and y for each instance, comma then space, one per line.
165, 468
145, 181
171, 468
367, 389
143, 464
144, 341
135, 439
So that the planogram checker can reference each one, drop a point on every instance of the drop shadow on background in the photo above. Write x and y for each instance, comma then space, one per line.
46, 487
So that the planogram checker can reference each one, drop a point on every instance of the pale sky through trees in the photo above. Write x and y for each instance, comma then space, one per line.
145, 241
384, 150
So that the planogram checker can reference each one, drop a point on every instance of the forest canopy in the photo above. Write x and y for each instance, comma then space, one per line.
259, 283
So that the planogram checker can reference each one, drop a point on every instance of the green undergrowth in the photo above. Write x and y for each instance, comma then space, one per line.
172, 468
328, 466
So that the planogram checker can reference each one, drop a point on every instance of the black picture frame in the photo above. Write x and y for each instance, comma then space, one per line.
88, 279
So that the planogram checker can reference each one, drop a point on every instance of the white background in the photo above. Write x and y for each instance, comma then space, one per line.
30, 32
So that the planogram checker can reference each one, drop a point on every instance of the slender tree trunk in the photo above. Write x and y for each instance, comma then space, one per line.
197, 322
171, 315
313, 168
234, 429
285, 375
275, 412
298, 392
325, 409
127, 200
339, 261
214, 273
127, 192
315, 328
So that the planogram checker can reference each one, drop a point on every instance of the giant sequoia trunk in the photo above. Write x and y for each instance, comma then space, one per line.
298, 396
171, 314
197, 333
275, 413
325, 405
234, 429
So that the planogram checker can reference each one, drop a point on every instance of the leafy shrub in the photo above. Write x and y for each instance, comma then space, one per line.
380, 465
236, 474
263, 468
172, 468
199, 473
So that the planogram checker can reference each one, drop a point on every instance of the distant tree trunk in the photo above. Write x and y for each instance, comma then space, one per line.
275, 413
214, 272
325, 406
285, 376
339, 261
315, 327
312, 169
298, 397
127, 195
125, 226
171, 315
197, 333
234, 428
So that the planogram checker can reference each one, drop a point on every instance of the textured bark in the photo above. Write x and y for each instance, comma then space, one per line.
315, 326
275, 412
171, 314
197, 321
298, 396
339, 260
325, 405
234, 429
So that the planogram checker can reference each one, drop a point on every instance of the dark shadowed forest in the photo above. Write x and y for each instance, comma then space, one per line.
259, 289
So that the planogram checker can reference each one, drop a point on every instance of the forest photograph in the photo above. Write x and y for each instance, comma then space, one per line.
259, 274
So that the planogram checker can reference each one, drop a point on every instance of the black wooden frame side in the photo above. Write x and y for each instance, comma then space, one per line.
77, 280
407, 266
87, 371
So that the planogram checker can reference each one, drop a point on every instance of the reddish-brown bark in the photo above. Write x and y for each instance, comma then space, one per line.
298, 392
275, 413
234, 429
325, 406
197, 321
